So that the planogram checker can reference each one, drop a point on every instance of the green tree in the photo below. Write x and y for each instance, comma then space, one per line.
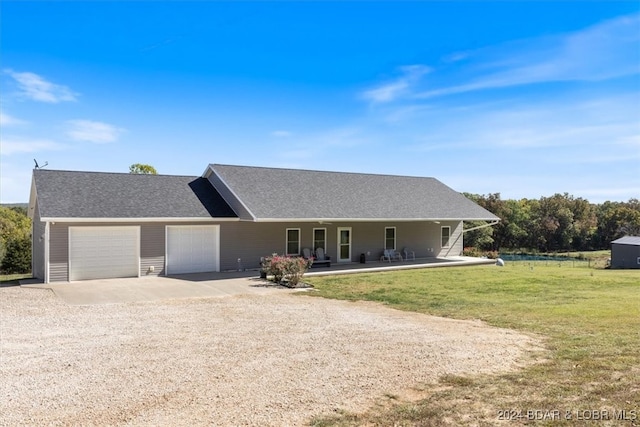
15, 240
18, 256
139, 168
616, 219
480, 238
553, 224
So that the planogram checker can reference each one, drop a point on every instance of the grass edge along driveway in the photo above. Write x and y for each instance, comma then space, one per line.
591, 318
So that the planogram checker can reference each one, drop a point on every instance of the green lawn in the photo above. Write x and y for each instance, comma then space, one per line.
590, 319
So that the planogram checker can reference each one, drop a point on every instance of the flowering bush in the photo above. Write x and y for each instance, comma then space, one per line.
284, 267
478, 253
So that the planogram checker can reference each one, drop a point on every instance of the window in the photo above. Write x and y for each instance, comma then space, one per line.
445, 234
390, 238
320, 238
293, 241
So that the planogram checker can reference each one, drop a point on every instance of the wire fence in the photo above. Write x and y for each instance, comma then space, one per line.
561, 262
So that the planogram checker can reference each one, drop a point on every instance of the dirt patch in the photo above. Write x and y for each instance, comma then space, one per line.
277, 359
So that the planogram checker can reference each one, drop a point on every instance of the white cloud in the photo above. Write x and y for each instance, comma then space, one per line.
92, 131
390, 91
6, 120
387, 92
11, 145
35, 87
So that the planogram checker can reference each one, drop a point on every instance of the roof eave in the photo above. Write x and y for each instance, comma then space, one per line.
134, 219
327, 220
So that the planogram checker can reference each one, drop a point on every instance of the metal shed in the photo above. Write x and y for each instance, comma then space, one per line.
625, 252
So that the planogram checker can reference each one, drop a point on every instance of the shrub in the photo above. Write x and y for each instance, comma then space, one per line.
18, 256
283, 267
478, 253
472, 251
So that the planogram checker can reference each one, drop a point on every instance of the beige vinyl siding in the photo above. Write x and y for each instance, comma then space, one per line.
37, 249
152, 249
58, 252
250, 241
455, 239
38, 240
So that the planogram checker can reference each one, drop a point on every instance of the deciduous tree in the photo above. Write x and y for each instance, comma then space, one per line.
139, 168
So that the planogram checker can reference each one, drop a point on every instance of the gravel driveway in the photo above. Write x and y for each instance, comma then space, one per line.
277, 359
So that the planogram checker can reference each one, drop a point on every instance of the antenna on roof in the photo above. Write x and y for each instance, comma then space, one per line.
38, 166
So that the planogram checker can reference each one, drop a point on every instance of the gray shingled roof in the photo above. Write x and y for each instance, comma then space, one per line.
271, 193
66, 194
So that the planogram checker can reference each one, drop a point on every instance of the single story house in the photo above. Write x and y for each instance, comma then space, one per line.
625, 252
89, 225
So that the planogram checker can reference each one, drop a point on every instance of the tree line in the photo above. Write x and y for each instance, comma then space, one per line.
557, 223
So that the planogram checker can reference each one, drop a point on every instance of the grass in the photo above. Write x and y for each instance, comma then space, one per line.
590, 319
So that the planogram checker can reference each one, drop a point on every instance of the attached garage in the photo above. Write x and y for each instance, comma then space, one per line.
193, 249
104, 252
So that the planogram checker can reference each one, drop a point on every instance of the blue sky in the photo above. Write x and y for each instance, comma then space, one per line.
525, 99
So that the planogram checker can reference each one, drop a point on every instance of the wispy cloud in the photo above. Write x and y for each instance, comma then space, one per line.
12, 145
34, 87
281, 133
590, 127
390, 91
6, 120
92, 131
603, 51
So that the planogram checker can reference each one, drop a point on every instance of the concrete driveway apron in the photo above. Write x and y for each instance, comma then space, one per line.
117, 291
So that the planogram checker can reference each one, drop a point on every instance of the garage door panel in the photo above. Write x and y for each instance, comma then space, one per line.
103, 252
192, 249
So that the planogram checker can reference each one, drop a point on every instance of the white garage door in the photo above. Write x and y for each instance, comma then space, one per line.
104, 252
192, 248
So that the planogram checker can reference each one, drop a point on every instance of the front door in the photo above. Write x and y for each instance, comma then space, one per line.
344, 244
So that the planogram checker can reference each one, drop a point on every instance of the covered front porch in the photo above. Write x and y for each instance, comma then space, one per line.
349, 268
366, 267
380, 266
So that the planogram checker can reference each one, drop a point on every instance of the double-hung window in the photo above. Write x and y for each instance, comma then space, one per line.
293, 241
389, 237
320, 238
445, 235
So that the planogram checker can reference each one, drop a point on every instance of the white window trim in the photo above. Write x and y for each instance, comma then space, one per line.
449, 238
286, 241
313, 239
349, 229
395, 238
